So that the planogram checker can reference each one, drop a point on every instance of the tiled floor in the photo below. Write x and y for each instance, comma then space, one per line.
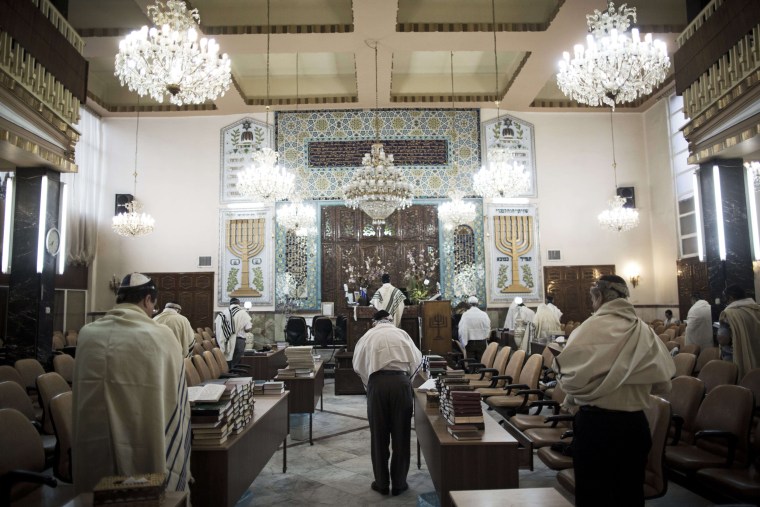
336, 470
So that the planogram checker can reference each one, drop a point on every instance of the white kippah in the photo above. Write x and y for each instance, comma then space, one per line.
518, 300
173, 306
473, 300
133, 280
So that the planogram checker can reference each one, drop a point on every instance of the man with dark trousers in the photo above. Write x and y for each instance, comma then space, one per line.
385, 358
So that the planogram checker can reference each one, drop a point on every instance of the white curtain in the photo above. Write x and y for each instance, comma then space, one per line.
85, 188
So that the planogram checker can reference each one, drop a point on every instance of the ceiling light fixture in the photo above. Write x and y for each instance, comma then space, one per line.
168, 59
133, 222
614, 67
378, 188
298, 218
264, 180
617, 217
504, 175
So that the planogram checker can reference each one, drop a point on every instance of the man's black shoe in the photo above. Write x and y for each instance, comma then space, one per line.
382, 491
398, 491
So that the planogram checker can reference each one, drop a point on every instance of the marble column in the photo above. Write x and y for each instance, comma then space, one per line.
737, 266
32, 294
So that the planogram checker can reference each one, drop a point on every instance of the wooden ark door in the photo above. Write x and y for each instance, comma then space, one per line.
349, 237
193, 291
570, 287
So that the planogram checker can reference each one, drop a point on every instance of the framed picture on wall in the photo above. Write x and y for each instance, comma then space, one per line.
328, 309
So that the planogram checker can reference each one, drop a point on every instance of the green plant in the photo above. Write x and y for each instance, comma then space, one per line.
527, 276
501, 280
258, 279
232, 279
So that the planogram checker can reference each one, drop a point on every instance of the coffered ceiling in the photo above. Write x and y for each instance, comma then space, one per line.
320, 56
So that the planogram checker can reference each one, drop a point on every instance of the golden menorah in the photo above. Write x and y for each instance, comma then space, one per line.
513, 236
245, 239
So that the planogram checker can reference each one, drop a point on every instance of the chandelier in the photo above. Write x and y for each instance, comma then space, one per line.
456, 212
169, 58
615, 67
504, 175
133, 222
617, 217
754, 168
378, 188
298, 218
263, 180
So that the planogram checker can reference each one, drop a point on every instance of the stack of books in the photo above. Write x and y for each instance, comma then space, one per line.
240, 392
461, 406
300, 363
273, 387
258, 387
465, 432
209, 422
436, 365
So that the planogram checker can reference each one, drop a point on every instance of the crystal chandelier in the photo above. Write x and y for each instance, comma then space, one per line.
456, 212
378, 188
754, 168
504, 175
133, 222
617, 218
298, 218
615, 67
169, 58
263, 180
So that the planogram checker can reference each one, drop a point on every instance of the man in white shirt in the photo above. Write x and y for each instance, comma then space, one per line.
232, 329
550, 304
385, 358
474, 328
699, 330
390, 299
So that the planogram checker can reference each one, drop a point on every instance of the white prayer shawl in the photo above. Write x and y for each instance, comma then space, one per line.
546, 321
385, 347
614, 361
699, 329
390, 299
241, 324
743, 316
181, 328
557, 312
131, 414
523, 321
509, 322
474, 325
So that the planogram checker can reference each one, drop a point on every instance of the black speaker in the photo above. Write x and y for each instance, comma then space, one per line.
121, 200
629, 194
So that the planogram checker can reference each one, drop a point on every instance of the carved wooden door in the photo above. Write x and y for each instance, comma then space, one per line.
193, 291
570, 287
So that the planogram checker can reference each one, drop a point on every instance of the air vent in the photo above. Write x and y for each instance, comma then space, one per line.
554, 255
204, 261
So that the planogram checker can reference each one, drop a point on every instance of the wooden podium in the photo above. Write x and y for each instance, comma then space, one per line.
435, 321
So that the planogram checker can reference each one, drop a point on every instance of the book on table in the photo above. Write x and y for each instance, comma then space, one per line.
206, 393
465, 432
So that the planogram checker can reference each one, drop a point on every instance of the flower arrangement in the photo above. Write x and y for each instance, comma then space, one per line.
421, 273
366, 272
466, 281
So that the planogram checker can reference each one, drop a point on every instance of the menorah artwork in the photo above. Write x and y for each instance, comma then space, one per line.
245, 240
513, 236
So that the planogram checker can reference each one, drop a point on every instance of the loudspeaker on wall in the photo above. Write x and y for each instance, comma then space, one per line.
629, 194
121, 200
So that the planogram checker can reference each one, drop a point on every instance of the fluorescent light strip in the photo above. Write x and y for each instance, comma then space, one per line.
63, 223
749, 187
8, 223
698, 213
41, 228
719, 213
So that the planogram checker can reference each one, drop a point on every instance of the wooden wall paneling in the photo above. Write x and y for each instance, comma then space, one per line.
570, 287
193, 291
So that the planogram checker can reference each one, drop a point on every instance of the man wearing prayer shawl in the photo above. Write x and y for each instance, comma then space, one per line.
550, 304
699, 329
509, 322
172, 318
131, 414
232, 339
474, 328
610, 365
546, 323
390, 299
740, 329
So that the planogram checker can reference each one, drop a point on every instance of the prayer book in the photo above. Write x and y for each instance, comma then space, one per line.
208, 393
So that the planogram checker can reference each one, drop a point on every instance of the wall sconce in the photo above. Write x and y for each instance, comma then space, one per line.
634, 279
632, 272
114, 284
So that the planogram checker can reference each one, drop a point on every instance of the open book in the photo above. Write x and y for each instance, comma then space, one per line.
209, 393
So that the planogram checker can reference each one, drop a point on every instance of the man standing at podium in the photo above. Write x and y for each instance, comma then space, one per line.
474, 329
390, 299
385, 358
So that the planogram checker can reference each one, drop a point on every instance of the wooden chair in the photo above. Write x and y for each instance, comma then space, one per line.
518, 396
705, 356
684, 363
49, 386
207, 345
63, 365
71, 338
22, 460
203, 370
239, 369
14, 396
655, 480
58, 342
717, 372
685, 397
61, 414
511, 372
690, 348
483, 378
721, 438
29, 369
197, 350
191, 374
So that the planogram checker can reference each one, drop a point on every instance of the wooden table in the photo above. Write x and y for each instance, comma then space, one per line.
171, 499
490, 463
347, 381
545, 497
264, 365
223, 473
304, 393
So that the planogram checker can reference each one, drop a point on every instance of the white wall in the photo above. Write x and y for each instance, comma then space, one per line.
178, 182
